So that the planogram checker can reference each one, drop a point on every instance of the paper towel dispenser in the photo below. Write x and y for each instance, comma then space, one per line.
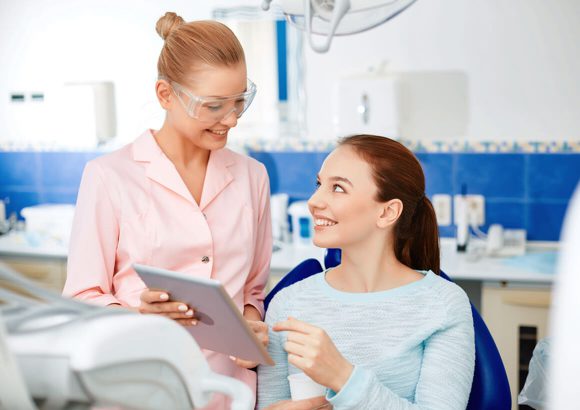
366, 105
410, 105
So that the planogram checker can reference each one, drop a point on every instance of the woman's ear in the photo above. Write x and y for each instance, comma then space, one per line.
391, 212
164, 94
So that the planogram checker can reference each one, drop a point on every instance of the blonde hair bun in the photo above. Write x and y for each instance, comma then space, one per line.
166, 24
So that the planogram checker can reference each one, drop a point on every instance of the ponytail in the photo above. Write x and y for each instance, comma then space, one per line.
417, 243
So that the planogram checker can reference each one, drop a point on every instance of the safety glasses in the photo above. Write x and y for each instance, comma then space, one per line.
214, 109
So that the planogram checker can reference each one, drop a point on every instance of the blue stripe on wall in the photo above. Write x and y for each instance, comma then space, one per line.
522, 191
282, 63
529, 191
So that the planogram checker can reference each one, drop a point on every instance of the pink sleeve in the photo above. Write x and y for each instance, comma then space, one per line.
258, 277
93, 241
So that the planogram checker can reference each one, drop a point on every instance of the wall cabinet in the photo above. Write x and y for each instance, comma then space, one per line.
517, 318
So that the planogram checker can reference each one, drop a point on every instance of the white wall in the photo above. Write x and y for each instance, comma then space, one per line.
521, 58
47, 43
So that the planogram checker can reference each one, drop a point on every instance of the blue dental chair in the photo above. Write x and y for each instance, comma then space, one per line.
490, 388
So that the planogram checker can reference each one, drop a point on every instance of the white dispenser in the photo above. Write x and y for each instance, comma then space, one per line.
4, 226
462, 223
279, 211
302, 224
366, 104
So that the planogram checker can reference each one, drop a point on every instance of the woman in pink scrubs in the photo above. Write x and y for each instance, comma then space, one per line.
176, 198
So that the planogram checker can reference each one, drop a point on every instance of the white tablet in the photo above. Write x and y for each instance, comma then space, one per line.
220, 327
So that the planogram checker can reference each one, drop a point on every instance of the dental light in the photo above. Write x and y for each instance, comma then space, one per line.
338, 17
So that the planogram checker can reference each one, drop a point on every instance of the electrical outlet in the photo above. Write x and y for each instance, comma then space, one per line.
442, 206
476, 207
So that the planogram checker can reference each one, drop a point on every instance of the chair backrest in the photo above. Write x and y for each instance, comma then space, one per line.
490, 388
303, 270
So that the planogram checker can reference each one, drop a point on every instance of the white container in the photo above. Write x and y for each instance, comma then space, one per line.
462, 223
302, 224
50, 221
303, 387
279, 211
2, 212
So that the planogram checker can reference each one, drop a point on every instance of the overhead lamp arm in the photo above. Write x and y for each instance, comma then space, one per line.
338, 17
341, 7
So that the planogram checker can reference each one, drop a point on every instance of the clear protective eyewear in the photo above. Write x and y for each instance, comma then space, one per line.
214, 109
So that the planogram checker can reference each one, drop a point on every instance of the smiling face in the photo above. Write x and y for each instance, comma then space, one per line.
344, 207
210, 82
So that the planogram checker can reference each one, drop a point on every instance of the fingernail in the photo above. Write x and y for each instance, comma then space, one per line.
233, 358
194, 322
189, 312
183, 308
164, 296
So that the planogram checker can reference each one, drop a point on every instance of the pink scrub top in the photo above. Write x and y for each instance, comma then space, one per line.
133, 207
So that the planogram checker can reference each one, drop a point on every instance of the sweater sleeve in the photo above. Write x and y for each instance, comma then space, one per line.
445, 377
273, 383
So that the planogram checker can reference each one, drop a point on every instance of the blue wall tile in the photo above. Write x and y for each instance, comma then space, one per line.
19, 169
447, 231
31, 178
512, 215
62, 169
528, 191
545, 220
553, 176
492, 175
438, 169
19, 199
292, 172
60, 196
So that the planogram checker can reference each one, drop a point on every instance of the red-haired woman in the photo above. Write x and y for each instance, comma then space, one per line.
382, 330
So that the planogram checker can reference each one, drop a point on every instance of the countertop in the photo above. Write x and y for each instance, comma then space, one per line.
22, 244
459, 266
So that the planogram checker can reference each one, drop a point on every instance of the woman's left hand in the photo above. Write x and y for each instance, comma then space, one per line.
261, 331
311, 350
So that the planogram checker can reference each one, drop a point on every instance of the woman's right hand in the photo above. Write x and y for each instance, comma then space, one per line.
157, 301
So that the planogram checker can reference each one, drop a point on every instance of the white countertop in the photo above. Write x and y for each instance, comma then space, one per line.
460, 266
25, 244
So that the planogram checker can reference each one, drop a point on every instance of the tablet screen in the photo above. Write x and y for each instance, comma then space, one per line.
220, 327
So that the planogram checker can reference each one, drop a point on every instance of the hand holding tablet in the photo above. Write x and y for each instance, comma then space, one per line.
220, 325
158, 302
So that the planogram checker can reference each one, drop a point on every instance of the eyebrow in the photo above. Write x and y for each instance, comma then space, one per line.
341, 179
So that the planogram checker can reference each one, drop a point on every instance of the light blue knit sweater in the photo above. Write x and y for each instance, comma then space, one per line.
412, 347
